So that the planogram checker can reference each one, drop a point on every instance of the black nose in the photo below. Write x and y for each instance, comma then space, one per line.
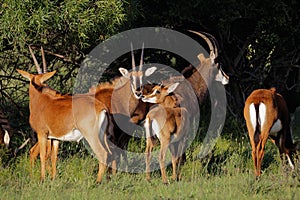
138, 94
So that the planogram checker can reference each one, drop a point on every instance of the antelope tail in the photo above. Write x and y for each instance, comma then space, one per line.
103, 130
257, 116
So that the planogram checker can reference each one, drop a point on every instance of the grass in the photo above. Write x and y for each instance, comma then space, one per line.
227, 173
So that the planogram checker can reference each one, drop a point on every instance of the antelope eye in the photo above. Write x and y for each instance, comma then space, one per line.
157, 92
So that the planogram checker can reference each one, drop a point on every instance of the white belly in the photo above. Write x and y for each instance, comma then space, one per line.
156, 128
74, 135
277, 126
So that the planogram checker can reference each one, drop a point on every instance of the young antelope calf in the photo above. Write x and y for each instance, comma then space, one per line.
169, 124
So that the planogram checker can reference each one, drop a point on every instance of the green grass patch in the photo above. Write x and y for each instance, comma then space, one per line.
227, 173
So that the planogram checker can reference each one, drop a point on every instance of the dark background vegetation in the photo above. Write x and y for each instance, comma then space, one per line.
259, 43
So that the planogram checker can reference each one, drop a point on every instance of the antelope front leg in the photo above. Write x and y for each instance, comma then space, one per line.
42, 143
101, 171
34, 152
162, 159
149, 147
54, 152
175, 160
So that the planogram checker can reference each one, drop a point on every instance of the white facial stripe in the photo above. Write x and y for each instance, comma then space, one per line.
150, 99
134, 82
154, 92
141, 80
221, 78
132, 89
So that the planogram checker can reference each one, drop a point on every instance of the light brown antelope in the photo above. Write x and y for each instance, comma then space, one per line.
267, 116
52, 146
169, 123
66, 118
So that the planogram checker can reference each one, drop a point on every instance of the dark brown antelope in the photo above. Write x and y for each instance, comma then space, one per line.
208, 70
267, 116
122, 98
169, 123
136, 77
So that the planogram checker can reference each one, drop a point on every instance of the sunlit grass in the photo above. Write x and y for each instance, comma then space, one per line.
225, 174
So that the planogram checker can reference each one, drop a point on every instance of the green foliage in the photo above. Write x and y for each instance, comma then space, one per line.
66, 29
68, 23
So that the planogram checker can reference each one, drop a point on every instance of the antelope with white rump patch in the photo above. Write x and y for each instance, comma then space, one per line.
169, 124
267, 116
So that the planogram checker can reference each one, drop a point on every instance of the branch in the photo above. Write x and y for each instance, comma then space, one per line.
292, 87
21, 147
62, 57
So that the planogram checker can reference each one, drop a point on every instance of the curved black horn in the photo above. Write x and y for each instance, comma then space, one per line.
208, 41
215, 43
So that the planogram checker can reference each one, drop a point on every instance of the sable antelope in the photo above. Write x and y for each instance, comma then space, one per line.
136, 76
52, 146
208, 70
169, 124
114, 95
66, 118
122, 98
267, 116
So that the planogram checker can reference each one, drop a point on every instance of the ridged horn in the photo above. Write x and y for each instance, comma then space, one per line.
38, 68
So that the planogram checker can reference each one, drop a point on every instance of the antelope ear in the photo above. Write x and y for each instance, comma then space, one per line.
150, 71
172, 87
24, 74
47, 76
124, 72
